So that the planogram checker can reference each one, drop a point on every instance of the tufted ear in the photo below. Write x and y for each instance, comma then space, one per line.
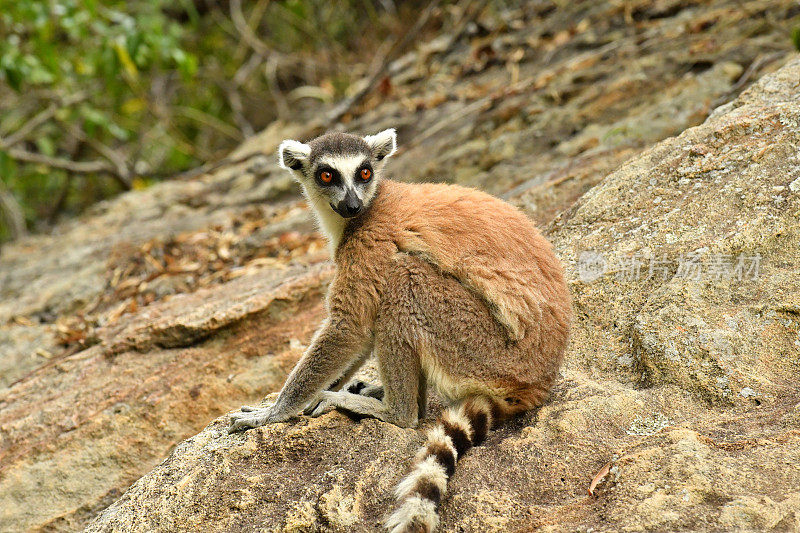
382, 144
293, 155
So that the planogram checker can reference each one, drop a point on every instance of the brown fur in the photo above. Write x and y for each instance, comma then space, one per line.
446, 271
460, 286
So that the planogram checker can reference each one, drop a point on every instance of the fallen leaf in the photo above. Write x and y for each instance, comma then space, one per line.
599, 477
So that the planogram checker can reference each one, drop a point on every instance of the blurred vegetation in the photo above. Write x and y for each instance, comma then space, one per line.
102, 96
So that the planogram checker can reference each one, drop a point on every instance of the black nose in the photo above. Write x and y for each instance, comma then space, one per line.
350, 206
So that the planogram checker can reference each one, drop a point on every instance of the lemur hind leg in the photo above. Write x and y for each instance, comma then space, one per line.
344, 380
346, 384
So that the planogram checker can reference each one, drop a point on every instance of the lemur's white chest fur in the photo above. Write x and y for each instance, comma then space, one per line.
330, 223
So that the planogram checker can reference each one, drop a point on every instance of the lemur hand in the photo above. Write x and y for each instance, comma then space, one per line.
252, 417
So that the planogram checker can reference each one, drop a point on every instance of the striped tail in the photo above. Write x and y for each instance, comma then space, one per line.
419, 493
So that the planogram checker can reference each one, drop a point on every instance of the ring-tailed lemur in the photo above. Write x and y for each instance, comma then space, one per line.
445, 285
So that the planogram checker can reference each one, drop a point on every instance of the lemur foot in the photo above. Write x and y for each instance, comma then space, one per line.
330, 400
321, 406
353, 404
325, 405
252, 417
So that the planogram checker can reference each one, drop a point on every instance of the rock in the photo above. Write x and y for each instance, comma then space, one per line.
692, 278
23, 347
129, 330
82, 429
247, 473
652, 383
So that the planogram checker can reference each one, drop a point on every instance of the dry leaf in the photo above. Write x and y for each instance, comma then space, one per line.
599, 477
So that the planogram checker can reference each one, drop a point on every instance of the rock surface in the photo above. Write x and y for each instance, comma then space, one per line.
131, 329
687, 387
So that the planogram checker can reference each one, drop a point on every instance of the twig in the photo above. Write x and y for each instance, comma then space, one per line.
340, 110
211, 121
15, 219
755, 66
261, 51
62, 199
259, 46
40, 118
271, 73
124, 173
78, 167
117, 169
235, 101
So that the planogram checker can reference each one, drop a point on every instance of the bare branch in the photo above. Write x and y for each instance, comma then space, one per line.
259, 46
760, 61
117, 169
58, 206
340, 110
211, 121
12, 212
118, 160
40, 118
271, 74
77, 167
235, 99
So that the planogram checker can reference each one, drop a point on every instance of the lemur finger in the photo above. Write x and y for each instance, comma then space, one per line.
249, 408
311, 407
322, 408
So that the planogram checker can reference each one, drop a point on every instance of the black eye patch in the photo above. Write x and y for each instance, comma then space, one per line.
359, 178
335, 176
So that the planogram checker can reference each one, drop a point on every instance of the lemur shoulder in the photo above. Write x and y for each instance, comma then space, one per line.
446, 286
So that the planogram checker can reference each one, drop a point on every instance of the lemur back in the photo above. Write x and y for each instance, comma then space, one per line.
446, 286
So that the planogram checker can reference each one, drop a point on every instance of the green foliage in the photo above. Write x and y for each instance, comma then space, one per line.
109, 51
155, 82
796, 38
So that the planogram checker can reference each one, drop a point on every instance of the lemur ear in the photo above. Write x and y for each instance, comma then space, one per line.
382, 144
293, 155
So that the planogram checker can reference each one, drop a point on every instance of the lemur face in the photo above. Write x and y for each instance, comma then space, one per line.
338, 170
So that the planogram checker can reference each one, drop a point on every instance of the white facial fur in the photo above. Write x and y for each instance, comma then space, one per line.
347, 166
296, 157
330, 222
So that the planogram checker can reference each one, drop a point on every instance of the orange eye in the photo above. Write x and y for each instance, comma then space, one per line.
326, 176
366, 174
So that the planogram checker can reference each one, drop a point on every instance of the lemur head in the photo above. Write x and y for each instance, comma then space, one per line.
339, 170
